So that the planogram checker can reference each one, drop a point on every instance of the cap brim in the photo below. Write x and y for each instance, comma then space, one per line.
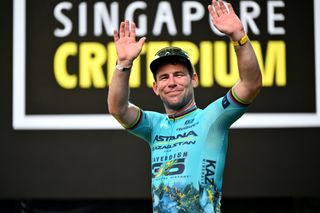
155, 64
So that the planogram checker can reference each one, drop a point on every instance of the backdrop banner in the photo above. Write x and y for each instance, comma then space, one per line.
64, 57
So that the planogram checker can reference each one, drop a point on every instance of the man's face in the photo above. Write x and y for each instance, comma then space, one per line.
174, 85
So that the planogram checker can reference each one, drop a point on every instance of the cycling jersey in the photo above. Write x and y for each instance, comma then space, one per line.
188, 154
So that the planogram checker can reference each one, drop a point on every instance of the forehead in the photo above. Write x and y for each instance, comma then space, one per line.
167, 68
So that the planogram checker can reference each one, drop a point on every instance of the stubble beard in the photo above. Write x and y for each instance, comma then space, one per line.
187, 98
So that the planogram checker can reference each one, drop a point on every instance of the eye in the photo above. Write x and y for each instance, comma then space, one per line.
163, 77
179, 74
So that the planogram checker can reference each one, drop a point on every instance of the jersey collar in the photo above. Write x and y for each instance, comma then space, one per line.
184, 112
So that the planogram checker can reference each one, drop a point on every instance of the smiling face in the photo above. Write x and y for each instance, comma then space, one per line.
174, 85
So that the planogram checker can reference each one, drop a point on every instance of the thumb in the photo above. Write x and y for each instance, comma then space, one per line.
141, 41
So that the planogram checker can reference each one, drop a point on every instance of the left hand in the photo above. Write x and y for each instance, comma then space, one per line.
226, 21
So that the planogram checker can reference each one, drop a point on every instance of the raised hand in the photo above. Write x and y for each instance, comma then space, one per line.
126, 45
225, 19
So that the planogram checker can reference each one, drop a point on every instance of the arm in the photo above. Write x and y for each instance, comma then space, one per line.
250, 81
127, 50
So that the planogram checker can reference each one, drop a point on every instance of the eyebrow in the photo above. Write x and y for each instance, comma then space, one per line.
164, 74
174, 73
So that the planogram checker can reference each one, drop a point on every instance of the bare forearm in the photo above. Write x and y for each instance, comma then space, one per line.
226, 21
127, 49
249, 70
118, 97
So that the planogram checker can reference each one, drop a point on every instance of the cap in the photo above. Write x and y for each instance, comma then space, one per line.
171, 54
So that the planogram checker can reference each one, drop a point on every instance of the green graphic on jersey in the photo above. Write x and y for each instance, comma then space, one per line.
185, 199
164, 169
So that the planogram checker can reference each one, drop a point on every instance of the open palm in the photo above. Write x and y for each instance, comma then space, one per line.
126, 45
224, 19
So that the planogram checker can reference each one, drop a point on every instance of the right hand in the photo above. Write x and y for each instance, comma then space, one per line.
226, 21
127, 47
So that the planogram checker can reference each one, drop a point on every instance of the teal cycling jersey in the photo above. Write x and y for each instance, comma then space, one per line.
188, 153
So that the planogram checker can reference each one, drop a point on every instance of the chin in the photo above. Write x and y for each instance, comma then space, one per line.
175, 105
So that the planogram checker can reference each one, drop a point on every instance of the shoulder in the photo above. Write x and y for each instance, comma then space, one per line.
225, 110
147, 123
153, 114
227, 102
149, 118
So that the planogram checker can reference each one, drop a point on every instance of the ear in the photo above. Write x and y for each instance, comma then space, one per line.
195, 79
155, 88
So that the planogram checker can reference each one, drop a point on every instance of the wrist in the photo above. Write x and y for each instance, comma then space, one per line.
242, 41
236, 36
124, 63
124, 66
121, 68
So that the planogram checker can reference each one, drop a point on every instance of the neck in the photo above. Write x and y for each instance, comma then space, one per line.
175, 113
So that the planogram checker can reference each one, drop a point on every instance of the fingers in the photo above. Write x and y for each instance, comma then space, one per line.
230, 8
127, 32
141, 42
126, 28
122, 34
115, 35
133, 31
218, 8
223, 7
213, 14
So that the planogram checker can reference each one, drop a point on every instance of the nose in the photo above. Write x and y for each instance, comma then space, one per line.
171, 81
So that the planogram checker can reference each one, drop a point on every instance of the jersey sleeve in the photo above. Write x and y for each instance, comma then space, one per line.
226, 110
143, 125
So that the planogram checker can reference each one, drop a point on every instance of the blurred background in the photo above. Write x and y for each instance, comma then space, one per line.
60, 151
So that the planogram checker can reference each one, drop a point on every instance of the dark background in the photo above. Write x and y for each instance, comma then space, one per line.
267, 170
297, 96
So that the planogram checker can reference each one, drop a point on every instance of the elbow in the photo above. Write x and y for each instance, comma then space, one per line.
254, 85
258, 83
114, 109
115, 112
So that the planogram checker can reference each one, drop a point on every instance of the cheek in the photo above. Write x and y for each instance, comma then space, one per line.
161, 86
158, 89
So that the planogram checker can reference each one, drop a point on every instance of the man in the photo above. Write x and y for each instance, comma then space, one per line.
188, 145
